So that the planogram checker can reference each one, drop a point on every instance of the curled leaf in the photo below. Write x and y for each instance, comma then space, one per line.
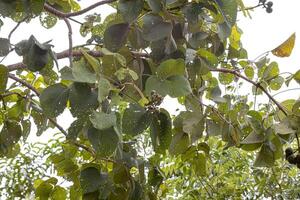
286, 48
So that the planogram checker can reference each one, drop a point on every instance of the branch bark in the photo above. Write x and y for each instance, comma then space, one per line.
60, 14
75, 53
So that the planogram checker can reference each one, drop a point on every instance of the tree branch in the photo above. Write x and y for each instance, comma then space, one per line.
75, 53
60, 128
70, 40
229, 71
60, 14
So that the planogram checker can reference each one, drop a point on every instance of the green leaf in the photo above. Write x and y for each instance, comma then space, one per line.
199, 164
253, 138
102, 120
75, 128
296, 108
59, 193
265, 157
249, 72
175, 86
43, 190
213, 128
123, 73
4, 47
10, 134
296, 76
3, 78
193, 124
105, 142
180, 143
91, 179
210, 57
115, 36
103, 89
82, 73
215, 95
131, 9
276, 83
229, 10
170, 68
155, 5
82, 99
271, 71
93, 62
155, 28
54, 99
161, 131
135, 120
36, 55
283, 128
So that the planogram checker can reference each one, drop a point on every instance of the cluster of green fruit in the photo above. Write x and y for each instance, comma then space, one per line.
267, 5
292, 158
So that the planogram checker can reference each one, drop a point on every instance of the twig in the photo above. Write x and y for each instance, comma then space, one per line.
24, 83
253, 7
75, 53
70, 40
15, 28
72, 14
60, 128
76, 21
229, 71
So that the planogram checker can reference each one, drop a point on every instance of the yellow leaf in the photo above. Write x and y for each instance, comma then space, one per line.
286, 48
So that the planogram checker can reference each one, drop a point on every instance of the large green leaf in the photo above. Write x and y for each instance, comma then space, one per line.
105, 142
155, 28
180, 143
174, 86
3, 78
54, 99
155, 5
82, 72
161, 131
36, 55
131, 9
4, 47
265, 157
229, 10
102, 120
170, 68
103, 89
91, 179
135, 120
115, 36
10, 134
82, 99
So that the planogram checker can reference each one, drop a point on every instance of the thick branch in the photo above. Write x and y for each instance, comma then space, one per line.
60, 14
229, 71
76, 53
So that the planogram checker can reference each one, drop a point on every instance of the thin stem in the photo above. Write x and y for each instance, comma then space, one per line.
285, 91
229, 71
72, 14
60, 128
70, 40
76, 21
15, 28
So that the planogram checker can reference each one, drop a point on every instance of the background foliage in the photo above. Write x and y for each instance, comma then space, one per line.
122, 144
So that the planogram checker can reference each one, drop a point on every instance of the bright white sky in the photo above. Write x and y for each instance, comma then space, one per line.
261, 33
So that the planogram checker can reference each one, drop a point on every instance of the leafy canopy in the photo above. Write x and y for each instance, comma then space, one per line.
122, 144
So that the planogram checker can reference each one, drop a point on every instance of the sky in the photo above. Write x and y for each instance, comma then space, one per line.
261, 33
